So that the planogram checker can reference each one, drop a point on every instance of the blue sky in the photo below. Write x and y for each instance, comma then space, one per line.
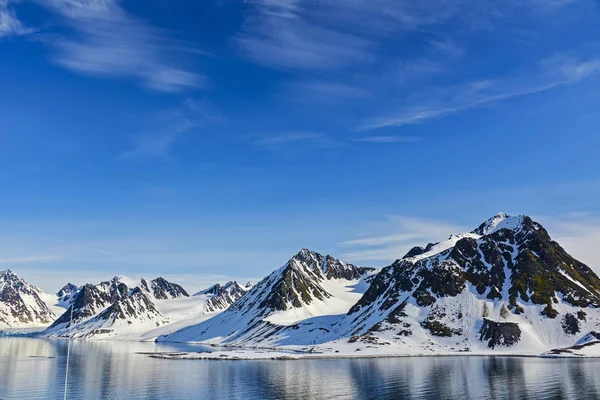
213, 139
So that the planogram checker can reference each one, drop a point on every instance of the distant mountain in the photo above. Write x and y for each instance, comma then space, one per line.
20, 303
309, 284
89, 301
67, 294
162, 289
219, 298
133, 313
112, 307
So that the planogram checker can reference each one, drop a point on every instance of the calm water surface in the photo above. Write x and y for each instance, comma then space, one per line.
35, 369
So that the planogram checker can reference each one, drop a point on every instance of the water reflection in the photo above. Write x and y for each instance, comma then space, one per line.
34, 369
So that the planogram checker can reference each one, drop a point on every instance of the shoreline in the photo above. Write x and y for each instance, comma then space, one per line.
240, 353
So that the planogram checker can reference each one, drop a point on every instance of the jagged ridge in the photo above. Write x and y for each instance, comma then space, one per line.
20, 303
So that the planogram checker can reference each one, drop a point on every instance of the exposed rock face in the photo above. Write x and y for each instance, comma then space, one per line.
91, 300
222, 297
132, 311
162, 289
296, 287
20, 303
112, 302
298, 282
509, 259
67, 294
500, 333
570, 324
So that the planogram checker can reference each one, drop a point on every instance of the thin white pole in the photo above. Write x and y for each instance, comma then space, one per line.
68, 351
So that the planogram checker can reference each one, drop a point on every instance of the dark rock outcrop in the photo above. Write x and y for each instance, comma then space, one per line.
504, 334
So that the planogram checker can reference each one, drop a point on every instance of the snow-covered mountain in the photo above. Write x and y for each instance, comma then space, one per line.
20, 303
219, 298
506, 286
67, 294
114, 307
134, 313
88, 302
162, 289
308, 285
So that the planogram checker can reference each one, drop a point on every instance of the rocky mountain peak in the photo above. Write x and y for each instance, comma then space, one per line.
20, 303
504, 221
68, 288
162, 289
220, 297
7, 274
325, 267
510, 261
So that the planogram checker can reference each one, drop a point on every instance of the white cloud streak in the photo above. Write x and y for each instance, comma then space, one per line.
295, 138
172, 126
279, 34
109, 42
554, 72
10, 24
403, 233
29, 259
387, 139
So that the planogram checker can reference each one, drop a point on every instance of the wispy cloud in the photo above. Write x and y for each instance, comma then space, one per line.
29, 259
10, 24
278, 33
387, 139
108, 41
172, 126
296, 138
400, 234
554, 72
324, 35
322, 91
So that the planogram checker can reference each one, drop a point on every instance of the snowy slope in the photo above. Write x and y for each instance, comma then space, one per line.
89, 301
219, 298
135, 313
21, 304
116, 309
505, 287
309, 285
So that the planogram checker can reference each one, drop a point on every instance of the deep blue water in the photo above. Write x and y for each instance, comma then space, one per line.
35, 369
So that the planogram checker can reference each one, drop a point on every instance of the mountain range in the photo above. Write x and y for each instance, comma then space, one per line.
506, 287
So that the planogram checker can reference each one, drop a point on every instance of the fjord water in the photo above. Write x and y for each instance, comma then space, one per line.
35, 369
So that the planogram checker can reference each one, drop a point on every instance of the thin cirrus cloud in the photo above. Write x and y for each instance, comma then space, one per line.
398, 235
29, 259
338, 52
552, 73
107, 41
279, 34
173, 125
10, 24
321, 91
294, 138
387, 139
323, 36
